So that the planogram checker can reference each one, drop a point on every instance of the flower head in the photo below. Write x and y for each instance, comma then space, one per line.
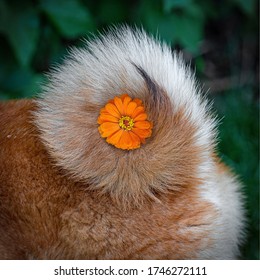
123, 122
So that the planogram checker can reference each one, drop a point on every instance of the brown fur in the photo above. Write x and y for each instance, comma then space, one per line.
169, 159
46, 214
65, 193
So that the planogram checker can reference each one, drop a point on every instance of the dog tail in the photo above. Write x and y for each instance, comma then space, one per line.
178, 153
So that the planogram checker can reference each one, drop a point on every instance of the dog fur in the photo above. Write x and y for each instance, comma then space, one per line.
65, 193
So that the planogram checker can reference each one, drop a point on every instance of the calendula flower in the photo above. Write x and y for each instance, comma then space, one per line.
123, 122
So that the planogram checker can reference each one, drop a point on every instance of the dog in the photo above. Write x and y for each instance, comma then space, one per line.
116, 159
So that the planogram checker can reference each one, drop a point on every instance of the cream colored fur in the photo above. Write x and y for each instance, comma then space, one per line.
104, 69
178, 156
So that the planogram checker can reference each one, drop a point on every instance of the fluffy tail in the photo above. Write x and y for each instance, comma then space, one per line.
178, 154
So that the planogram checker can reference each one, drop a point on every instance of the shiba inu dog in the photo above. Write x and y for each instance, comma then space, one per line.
116, 160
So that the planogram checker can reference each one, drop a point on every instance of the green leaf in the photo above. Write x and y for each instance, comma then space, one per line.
168, 5
190, 32
3, 16
21, 26
184, 27
70, 17
248, 6
112, 11
3, 96
155, 21
23, 83
200, 64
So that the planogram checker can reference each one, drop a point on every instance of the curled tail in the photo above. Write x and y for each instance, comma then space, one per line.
178, 152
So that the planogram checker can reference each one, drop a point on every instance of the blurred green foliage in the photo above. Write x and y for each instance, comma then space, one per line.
239, 148
217, 37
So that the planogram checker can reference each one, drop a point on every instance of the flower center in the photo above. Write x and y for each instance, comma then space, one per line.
126, 123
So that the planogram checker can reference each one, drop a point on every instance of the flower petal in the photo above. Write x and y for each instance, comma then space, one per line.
130, 108
108, 128
122, 96
135, 140
142, 124
111, 109
126, 99
140, 117
138, 101
138, 110
142, 133
119, 105
107, 118
125, 141
103, 111
125, 137
114, 139
111, 101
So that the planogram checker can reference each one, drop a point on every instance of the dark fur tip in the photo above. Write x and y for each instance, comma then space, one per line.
157, 93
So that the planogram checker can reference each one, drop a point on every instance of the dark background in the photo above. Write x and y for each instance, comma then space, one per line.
219, 40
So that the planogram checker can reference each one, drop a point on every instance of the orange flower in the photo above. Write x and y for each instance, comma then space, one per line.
123, 122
